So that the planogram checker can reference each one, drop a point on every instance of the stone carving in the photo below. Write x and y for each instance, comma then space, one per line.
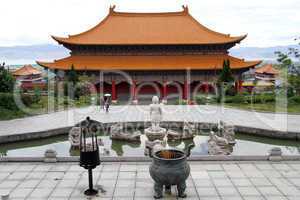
155, 131
189, 130
117, 133
222, 142
173, 135
74, 137
116, 128
218, 145
228, 132
129, 137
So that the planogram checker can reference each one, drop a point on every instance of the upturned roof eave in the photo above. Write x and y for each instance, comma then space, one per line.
67, 41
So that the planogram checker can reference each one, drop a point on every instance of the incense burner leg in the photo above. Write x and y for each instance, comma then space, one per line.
168, 189
158, 190
181, 190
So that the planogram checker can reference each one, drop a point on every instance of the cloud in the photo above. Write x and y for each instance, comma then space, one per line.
268, 23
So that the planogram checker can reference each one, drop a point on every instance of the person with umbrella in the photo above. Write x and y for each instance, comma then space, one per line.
107, 102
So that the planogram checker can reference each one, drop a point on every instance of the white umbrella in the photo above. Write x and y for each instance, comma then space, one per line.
107, 95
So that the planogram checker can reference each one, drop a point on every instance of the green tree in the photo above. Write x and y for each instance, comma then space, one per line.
226, 74
225, 79
294, 83
284, 60
73, 76
7, 81
293, 69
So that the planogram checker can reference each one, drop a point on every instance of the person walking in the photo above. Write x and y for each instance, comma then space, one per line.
102, 102
107, 105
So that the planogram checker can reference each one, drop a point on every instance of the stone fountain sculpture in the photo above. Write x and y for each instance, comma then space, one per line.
228, 132
222, 143
117, 133
189, 130
218, 145
155, 131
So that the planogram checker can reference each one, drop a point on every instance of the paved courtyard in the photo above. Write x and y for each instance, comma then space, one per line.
208, 180
203, 114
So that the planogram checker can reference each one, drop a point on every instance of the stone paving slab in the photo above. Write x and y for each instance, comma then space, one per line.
60, 121
208, 180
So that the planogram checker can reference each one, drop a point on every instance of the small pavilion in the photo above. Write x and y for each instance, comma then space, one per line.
29, 77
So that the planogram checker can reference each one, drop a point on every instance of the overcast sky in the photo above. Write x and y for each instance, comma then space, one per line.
267, 22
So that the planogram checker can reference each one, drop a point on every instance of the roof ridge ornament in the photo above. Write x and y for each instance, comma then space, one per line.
112, 8
185, 9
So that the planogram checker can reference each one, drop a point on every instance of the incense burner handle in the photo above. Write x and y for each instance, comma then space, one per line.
150, 152
188, 152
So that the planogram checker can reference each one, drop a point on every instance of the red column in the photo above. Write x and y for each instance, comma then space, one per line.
236, 86
185, 91
206, 88
165, 90
240, 86
133, 92
113, 91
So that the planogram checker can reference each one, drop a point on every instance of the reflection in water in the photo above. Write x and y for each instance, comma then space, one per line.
118, 146
246, 145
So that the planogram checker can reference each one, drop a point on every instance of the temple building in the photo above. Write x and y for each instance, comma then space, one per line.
167, 54
29, 77
266, 73
263, 77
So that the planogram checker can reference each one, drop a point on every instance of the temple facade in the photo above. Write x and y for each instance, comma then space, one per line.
167, 54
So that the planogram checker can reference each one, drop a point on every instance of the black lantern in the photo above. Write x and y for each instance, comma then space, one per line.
89, 152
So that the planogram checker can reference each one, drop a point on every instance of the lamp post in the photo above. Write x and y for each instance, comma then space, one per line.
89, 153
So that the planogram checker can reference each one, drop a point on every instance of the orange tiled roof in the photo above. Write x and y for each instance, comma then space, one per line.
268, 69
26, 70
175, 62
120, 28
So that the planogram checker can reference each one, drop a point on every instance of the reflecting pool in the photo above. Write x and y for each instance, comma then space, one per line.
246, 145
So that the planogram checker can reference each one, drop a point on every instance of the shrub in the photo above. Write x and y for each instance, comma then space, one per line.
206, 99
235, 99
82, 89
37, 94
7, 100
83, 100
290, 92
181, 102
263, 98
7, 81
27, 99
294, 100
231, 91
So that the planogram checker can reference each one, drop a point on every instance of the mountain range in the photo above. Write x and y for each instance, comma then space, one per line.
18, 55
